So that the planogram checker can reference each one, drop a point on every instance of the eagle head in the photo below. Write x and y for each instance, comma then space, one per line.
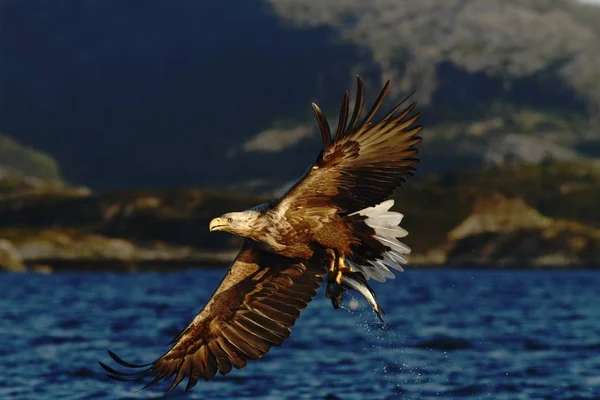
238, 223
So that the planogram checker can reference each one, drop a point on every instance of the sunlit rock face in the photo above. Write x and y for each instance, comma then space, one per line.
496, 213
10, 259
505, 232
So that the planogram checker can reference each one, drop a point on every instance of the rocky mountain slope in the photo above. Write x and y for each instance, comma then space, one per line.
217, 93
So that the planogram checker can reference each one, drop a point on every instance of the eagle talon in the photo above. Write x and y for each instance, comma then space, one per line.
336, 268
340, 273
342, 269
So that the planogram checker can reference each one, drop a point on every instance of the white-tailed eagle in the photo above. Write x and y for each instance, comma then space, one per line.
333, 222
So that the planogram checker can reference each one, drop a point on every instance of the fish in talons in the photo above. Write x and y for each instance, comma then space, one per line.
346, 279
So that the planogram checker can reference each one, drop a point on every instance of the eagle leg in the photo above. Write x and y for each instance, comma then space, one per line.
331, 273
336, 268
341, 269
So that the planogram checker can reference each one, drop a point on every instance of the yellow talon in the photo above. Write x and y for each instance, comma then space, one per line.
338, 278
331, 269
336, 268
341, 265
341, 269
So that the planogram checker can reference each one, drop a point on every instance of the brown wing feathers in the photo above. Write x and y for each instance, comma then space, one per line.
343, 118
366, 160
377, 104
240, 323
362, 165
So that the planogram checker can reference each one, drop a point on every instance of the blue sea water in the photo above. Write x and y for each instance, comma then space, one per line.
451, 334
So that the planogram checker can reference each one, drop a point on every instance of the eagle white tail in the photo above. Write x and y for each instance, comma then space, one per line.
385, 223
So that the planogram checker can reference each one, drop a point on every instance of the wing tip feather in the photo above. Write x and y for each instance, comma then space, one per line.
323, 126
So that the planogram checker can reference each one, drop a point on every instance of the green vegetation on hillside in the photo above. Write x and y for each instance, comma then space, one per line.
19, 160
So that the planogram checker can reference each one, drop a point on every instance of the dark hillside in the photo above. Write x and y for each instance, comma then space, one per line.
123, 95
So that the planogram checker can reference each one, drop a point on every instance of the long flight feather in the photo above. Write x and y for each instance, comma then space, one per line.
323, 127
377, 104
360, 98
390, 114
341, 128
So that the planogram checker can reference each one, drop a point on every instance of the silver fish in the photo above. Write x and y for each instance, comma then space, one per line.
355, 281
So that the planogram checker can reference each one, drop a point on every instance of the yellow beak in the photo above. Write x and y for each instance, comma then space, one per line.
216, 224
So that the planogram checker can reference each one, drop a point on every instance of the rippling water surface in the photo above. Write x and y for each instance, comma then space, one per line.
451, 334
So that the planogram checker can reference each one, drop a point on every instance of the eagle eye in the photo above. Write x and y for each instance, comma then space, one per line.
230, 220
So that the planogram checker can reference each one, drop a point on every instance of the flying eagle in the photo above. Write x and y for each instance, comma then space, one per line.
333, 222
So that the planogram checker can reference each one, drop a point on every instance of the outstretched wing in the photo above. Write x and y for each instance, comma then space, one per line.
254, 308
365, 161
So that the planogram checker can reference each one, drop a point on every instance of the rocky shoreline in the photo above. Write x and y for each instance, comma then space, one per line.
49, 228
223, 260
